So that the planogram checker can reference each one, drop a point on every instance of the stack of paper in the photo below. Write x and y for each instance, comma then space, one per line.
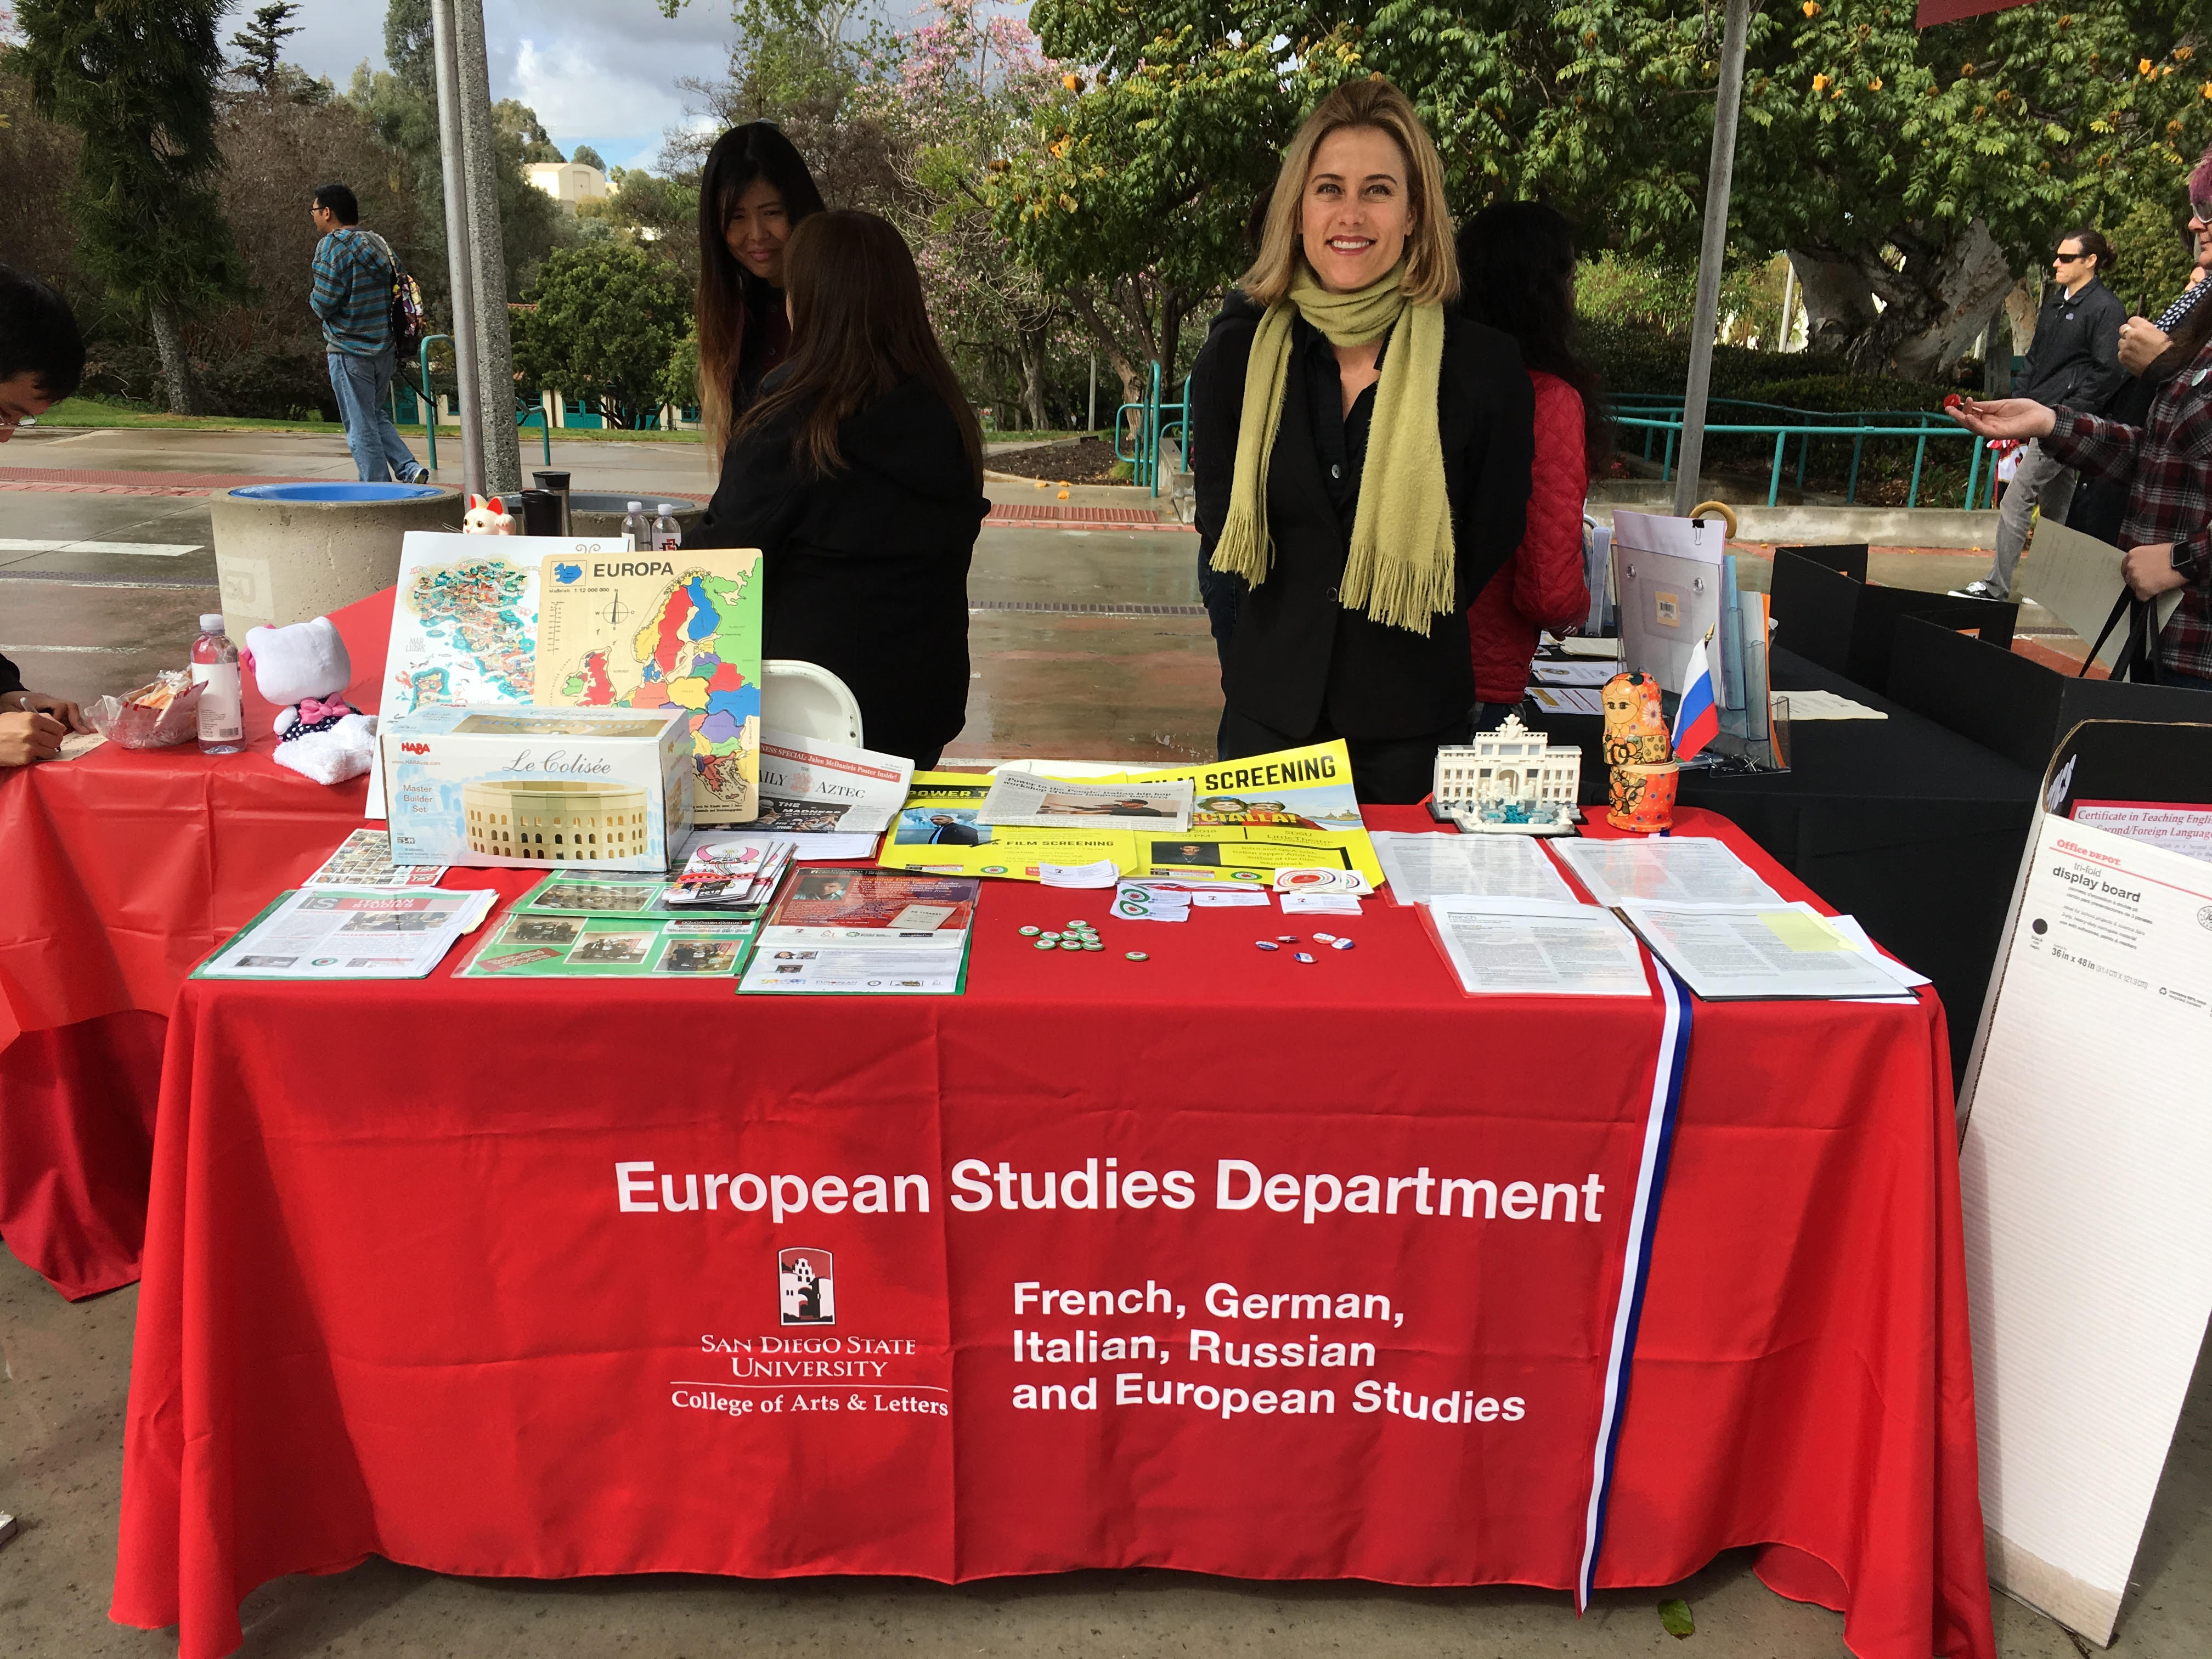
1535, 947
1727, 934
351, 932
867, 933
1671, 869
742, 871
1766, 951
364, 860
1422, 866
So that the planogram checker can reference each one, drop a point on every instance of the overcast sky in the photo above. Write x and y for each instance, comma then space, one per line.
598, 72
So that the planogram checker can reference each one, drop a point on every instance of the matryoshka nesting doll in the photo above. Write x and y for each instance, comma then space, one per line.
1635, 730
1644, 796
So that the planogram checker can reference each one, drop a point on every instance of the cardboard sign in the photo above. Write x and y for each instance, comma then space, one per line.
2086, 1157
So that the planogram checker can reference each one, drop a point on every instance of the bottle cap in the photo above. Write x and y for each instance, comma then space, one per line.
212, 622
667, 509
637, 507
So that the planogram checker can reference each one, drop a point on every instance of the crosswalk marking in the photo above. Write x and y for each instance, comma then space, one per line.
153, 549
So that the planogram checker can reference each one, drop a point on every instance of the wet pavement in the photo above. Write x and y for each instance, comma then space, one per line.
1086, 643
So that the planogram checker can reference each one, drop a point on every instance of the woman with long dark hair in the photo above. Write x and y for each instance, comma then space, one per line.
1361, 453
1517, 266
858, 474
753, 191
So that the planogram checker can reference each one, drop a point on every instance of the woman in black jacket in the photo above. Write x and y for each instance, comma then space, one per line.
753, 192
858, 474
1361, 456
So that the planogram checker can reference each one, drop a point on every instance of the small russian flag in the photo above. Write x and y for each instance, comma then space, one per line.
1698, 718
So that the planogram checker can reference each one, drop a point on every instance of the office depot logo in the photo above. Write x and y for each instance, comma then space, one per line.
414, 748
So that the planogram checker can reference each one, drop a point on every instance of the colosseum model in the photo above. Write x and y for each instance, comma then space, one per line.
561, 823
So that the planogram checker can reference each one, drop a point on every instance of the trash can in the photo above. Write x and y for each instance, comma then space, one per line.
598, 513
288, 552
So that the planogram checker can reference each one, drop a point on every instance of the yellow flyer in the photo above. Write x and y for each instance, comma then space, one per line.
1291, 809
664, 629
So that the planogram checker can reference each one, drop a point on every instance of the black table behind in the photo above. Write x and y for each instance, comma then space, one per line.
1912, 828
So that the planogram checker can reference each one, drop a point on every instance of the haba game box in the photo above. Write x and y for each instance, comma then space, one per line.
503, 785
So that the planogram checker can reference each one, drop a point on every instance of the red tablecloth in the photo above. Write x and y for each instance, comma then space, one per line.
126, 867
401, 1297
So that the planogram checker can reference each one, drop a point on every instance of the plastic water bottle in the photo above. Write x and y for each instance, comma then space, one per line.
666, 533
635, 530
215, 668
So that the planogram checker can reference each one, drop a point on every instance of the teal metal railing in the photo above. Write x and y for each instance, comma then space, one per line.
1155, 420
420, 386
1660, 417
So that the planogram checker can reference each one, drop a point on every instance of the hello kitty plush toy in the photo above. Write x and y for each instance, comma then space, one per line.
487, 516
306, 667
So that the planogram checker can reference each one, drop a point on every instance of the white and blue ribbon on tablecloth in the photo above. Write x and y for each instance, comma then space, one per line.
1636, 1261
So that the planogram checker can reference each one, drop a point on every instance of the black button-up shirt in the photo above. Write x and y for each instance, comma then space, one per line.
1340, 439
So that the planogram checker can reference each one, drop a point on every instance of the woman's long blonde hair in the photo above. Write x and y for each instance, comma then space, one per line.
1431, 266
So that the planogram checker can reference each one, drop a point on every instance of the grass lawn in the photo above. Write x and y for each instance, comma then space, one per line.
90, 412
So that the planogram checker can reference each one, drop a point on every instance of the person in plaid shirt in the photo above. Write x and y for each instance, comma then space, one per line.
352, 298
2167, 461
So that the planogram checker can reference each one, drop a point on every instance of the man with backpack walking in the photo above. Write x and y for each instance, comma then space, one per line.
356, 278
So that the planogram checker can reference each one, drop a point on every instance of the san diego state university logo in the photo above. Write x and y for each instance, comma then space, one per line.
805, 1288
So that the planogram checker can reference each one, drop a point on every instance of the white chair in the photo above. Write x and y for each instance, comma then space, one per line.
808, 701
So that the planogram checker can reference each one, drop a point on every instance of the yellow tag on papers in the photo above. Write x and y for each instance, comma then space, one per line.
1803, 930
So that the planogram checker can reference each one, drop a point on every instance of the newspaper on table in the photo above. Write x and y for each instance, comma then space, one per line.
865, 932
1665, 869
1535, 947
351, 932
1026, 800
1763, 952
464, 627
832, 800
1421, 866
533, 944
363, 859
1248, 819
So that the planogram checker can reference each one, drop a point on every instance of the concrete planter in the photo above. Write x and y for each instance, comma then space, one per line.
596, 514
287, 553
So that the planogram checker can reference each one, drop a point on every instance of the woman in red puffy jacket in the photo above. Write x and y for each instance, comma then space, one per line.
1516, 262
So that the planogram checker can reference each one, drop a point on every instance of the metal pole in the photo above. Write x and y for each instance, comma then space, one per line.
1712, 255
1789, 302
494, 352
460, 261
1093, 427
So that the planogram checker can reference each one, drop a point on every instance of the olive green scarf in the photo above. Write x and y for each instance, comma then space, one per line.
1399, 569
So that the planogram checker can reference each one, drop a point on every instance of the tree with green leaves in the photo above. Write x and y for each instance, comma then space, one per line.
1925, 167
1929, 168
588, 157
403, 101
262, 41
958, 97
606, 322
136, 78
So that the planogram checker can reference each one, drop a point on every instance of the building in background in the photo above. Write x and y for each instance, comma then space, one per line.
568, 182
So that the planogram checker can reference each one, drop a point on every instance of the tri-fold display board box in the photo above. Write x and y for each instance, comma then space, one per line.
509, 785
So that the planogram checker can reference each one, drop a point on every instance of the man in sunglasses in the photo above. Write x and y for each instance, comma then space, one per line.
2164, 458
2073, 360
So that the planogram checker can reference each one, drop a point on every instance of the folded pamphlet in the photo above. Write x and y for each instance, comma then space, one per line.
351, 932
